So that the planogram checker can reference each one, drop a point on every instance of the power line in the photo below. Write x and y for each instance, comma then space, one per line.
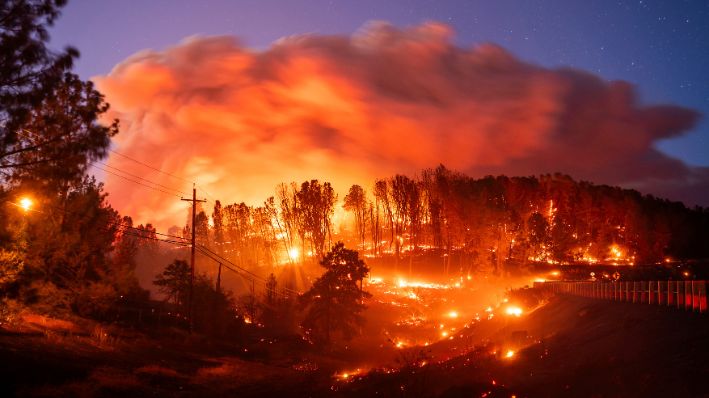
150, 167
137, 182
24, 133
177, 241
255, 276
206, 193
163, 172
138, 177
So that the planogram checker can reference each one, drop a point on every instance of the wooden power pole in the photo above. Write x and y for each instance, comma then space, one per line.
194, 201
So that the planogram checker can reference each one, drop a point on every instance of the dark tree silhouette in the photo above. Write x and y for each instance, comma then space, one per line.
335, 301
49, 127
174, 281
29, 71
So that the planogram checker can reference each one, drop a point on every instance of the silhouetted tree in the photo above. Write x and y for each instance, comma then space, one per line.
174, 281
334, 302
316, 205
356, 202
29, 70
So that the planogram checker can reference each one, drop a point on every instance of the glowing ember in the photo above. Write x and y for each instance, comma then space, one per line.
512, 310
509, 354
424, 285
345, 376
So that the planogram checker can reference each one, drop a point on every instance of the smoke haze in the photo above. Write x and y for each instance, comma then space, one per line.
385, 100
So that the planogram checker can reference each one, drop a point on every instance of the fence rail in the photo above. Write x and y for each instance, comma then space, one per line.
687, 295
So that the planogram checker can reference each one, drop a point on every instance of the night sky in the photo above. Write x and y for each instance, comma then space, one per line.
661, 46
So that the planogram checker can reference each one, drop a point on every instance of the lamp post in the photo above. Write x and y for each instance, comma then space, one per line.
26, 204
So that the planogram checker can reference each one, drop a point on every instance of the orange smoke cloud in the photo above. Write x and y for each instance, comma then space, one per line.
385, 100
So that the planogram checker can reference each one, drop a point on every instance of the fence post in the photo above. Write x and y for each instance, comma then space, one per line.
702, 296
679, 285
670, 293
643, 294
635, 292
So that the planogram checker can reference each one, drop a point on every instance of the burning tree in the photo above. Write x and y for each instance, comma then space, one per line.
335, 301
356, 202
316, 204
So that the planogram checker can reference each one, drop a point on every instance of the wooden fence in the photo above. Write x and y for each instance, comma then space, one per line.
687, 295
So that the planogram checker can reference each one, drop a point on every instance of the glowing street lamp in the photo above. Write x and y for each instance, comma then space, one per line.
26, 204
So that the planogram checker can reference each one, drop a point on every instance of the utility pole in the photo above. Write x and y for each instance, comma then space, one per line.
194, 201
219, 278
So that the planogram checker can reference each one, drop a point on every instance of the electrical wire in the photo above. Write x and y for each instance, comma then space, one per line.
137, 182
138, 177
150, 167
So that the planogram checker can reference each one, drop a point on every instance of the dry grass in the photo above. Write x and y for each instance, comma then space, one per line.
102, 338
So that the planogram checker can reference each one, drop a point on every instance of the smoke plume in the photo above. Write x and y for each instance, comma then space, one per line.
384, 100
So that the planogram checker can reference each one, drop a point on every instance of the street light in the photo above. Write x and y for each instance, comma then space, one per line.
26, 204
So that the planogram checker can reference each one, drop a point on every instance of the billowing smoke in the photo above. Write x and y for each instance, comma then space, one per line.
385, 100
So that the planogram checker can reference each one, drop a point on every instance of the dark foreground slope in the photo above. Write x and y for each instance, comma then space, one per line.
597, 348
574, 347
569, 347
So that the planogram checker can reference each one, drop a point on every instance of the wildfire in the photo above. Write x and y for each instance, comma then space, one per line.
424, 285
509, 354
513, 310
346, 375
453, 314
616, 252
